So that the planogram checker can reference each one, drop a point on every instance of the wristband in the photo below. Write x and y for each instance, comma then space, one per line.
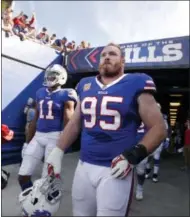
136, 154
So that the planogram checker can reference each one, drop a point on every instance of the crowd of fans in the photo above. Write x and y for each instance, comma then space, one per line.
25, 29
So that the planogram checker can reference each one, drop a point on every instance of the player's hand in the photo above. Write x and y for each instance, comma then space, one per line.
54, 162
120, 167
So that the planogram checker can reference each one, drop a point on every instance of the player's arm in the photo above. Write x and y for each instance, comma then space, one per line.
32, 126
67, 138
68, 111
71, 131
153, 120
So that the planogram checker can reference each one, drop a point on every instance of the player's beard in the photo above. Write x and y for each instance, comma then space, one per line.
109, 70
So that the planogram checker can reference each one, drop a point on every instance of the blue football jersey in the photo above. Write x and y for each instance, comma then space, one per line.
110, 117
51, 107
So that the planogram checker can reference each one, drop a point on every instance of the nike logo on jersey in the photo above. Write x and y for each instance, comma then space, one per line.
102, 92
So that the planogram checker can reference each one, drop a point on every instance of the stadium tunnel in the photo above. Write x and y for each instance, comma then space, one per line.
171, 77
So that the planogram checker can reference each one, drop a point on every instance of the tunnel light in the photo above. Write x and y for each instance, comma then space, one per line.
173, 113
173, 117
176, 95
173, 104
173, 110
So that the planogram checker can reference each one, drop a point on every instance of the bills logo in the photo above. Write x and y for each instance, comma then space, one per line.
165, 51
87, 87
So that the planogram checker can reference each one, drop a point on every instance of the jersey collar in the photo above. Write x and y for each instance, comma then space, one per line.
104, 87
58, 89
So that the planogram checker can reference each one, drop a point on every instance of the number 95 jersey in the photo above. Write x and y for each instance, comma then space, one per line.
110, 116
50, 106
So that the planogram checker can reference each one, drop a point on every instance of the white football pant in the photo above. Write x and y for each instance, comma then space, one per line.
40, 146
156, 154
141, 167
96, 193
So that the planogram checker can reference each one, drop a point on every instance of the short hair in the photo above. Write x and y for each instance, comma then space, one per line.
44, 29
118, 46
26, 17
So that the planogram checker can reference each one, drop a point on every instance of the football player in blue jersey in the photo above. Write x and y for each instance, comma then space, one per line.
54, 108
140, 168
109, 111
156, 156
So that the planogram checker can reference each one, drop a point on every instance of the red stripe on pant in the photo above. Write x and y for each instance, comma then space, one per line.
130, 195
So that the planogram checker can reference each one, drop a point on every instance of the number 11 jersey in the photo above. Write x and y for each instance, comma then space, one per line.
50, 106
110, 116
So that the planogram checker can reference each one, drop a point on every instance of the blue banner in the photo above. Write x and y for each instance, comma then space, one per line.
164, 53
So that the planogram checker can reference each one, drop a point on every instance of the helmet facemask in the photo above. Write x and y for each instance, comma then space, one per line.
55, 75
52, 189
51, 79
43, 198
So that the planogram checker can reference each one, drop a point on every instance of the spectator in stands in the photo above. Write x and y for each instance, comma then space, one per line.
6, 135
30, 28
43, 36
20, 25
78, 47
83, 45
60, 44
73, 45
52, 39
69, 47
7, 22
88, 46
31, 32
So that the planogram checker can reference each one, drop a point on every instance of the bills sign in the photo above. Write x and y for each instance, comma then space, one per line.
165, 53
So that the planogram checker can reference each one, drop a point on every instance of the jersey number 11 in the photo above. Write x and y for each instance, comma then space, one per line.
49, 115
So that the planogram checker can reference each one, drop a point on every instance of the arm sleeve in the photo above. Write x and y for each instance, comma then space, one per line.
72, 95
146, 84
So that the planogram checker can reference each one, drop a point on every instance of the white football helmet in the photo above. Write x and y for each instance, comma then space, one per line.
43, 198
55, 74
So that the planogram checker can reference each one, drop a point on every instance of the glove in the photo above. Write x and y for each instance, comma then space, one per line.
120, 167
54, 161
23, 149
